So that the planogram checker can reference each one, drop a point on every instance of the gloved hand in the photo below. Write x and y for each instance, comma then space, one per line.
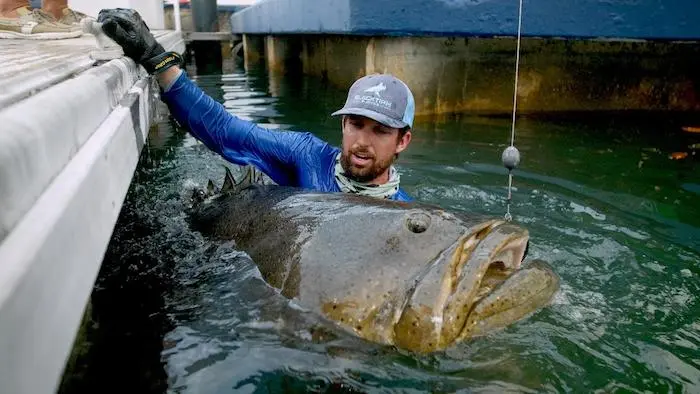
127, 29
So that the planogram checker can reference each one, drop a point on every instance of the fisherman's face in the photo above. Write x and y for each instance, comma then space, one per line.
369, 148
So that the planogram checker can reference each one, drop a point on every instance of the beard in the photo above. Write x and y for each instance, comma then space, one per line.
363, 174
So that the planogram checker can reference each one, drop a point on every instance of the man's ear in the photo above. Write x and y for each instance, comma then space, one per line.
403, 141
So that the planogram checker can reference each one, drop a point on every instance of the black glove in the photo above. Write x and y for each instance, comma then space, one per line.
127, 29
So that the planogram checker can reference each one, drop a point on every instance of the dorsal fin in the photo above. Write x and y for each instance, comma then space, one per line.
249, 177
258, 176
229, 182
211, 189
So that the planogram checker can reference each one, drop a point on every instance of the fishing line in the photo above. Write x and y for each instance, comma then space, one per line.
511, 155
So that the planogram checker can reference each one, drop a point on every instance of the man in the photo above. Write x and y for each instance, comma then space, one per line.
55, 20
376, 124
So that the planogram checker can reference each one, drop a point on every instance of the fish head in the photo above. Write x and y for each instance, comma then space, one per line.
425, 279
476, 286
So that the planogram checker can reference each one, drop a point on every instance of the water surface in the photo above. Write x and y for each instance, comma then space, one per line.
618, 220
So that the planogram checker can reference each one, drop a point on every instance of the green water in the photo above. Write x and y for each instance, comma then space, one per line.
617, 219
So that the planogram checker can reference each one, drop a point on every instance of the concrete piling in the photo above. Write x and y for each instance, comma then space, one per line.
207, 54
253, 49
476, 75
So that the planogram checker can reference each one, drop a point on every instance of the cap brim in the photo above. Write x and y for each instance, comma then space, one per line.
381, 118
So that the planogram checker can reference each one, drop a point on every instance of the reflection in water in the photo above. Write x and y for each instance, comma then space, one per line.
618, 220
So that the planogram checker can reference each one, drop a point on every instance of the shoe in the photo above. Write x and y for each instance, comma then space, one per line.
34, 24
71, 17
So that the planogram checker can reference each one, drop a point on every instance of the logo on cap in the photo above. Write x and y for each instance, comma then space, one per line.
380, 87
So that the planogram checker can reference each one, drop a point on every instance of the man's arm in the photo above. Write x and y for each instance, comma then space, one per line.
276, 153
168, 77
242, 142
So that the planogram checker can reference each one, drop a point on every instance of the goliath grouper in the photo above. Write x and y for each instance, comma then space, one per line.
404, 274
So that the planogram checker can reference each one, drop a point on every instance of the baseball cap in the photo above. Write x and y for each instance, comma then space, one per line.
381, 97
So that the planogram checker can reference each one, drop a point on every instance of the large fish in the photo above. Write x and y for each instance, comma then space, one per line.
404, 274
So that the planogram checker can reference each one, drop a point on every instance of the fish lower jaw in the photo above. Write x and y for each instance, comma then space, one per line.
478, 271
417, 331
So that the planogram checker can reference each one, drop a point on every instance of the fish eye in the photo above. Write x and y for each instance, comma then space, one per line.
417, 222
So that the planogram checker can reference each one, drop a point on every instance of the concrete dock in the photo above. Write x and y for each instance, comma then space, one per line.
71, 132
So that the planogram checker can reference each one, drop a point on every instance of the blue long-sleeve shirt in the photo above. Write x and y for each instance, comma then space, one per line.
289, 158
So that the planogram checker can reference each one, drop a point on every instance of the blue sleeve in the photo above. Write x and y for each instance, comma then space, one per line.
274, 152
401, 195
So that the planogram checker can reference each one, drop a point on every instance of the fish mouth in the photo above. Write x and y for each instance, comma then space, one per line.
436, 312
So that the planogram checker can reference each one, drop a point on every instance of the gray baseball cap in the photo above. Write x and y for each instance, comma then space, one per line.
381, 97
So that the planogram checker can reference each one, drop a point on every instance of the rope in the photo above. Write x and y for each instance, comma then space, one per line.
517, 68
511, 156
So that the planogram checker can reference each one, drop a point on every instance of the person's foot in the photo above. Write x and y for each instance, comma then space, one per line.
34, 24
71, 17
